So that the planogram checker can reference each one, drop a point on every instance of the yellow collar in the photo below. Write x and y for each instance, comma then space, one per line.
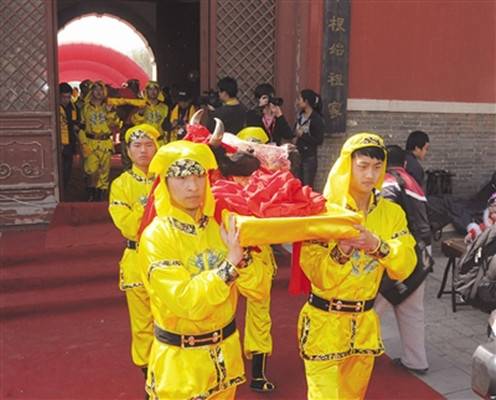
232, 102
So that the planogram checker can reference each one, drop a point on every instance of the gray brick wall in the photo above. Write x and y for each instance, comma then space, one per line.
464, 144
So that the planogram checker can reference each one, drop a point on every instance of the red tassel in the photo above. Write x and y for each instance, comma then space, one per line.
298, 282
150, 211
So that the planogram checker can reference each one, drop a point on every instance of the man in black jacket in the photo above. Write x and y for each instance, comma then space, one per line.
232, 113
417, 146
402, 188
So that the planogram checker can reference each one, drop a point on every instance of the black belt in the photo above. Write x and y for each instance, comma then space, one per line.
98, 137
351, 306
205, 339
131, 244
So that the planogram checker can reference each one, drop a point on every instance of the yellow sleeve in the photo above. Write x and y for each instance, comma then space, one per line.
113, 119
317, 264
401, 260
191, 297
118, 101
82, 137
254, 281
82, 134
126, 215
137, 119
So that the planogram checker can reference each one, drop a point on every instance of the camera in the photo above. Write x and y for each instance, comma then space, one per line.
210, 98
276, 101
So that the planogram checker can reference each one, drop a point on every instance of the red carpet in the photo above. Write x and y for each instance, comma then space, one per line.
64, 324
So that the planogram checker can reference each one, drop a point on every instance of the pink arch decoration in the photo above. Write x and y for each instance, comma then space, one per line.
79, 61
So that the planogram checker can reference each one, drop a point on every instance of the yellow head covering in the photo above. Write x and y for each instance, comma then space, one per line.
253, 134
168, 156
151, 84
142, 130
92, 86
336, 190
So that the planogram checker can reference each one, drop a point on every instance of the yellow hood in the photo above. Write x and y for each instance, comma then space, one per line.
162, 161
336, 190
99, 83
253, 134
150, 84
142, 130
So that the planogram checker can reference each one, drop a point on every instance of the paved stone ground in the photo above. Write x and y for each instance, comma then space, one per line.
451, 337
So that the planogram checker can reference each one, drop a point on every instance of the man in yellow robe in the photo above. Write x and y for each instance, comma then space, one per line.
193, 271
96, 140
257, 342
128, 196
155, 111
338, 331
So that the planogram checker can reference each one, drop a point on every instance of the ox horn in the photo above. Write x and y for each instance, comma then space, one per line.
196, 117
216, 137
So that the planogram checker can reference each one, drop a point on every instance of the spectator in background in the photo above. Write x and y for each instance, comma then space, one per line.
68, 125
134, 86
232, 113
155, 111
268, 115
180, 115
84, 89
474, 229
309, 133
407, 297
417, 146
96, 140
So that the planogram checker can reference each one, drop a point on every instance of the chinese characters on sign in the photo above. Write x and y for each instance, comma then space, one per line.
335, 67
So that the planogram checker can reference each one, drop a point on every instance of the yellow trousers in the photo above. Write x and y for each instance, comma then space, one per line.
345, 379
97, 163
141, 319
257, 337
228, 394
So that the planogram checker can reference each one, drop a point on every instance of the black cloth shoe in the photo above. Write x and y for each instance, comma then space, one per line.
259, 382
418, 371
145, 372
91, 191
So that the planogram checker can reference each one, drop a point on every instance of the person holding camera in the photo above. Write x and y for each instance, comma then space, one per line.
309, 133
268, 115
232, 113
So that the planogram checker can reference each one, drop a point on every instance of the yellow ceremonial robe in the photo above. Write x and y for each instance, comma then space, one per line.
128, 195
181, 263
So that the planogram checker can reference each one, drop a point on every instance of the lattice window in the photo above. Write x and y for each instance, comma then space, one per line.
246, 43
23, 61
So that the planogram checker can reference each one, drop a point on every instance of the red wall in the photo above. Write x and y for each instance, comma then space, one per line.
423, 50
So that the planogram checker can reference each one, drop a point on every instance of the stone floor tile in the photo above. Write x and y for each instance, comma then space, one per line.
462, 395
447, 380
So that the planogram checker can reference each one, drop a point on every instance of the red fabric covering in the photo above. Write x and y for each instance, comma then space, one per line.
199, 134
277, 194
